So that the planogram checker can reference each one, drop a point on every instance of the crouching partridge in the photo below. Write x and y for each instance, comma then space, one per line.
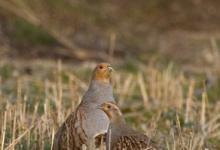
119, 135
87, 122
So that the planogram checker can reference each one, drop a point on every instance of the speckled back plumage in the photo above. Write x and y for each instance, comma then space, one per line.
120, 137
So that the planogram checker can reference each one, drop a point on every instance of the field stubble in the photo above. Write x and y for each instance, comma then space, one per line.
163, 103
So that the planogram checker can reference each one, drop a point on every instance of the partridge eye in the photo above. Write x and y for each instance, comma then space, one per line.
108, 106
100, 67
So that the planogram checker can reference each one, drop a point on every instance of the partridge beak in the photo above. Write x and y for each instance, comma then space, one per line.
110, 69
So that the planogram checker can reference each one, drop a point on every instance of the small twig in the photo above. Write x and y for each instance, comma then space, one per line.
52, 139
3, 131
189, 101
143, 89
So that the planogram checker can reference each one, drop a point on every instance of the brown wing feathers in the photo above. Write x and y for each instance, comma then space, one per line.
71, 134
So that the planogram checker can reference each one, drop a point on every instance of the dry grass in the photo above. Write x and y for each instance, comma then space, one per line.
161, 103
179, 111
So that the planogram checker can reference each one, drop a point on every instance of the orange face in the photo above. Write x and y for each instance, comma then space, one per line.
102, 72
111, 109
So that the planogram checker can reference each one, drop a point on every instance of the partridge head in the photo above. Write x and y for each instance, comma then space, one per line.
112, 111
102, 73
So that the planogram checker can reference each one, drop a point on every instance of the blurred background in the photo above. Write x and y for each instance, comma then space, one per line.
165, 52
81, 30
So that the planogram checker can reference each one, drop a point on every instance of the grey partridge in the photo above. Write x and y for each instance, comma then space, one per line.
120, 136
87, 122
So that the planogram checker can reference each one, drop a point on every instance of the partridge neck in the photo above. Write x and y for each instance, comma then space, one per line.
101, 77
99, 83
117, 119
98, 92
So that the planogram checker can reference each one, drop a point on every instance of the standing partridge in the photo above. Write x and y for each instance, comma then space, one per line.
119, 135
87, 122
